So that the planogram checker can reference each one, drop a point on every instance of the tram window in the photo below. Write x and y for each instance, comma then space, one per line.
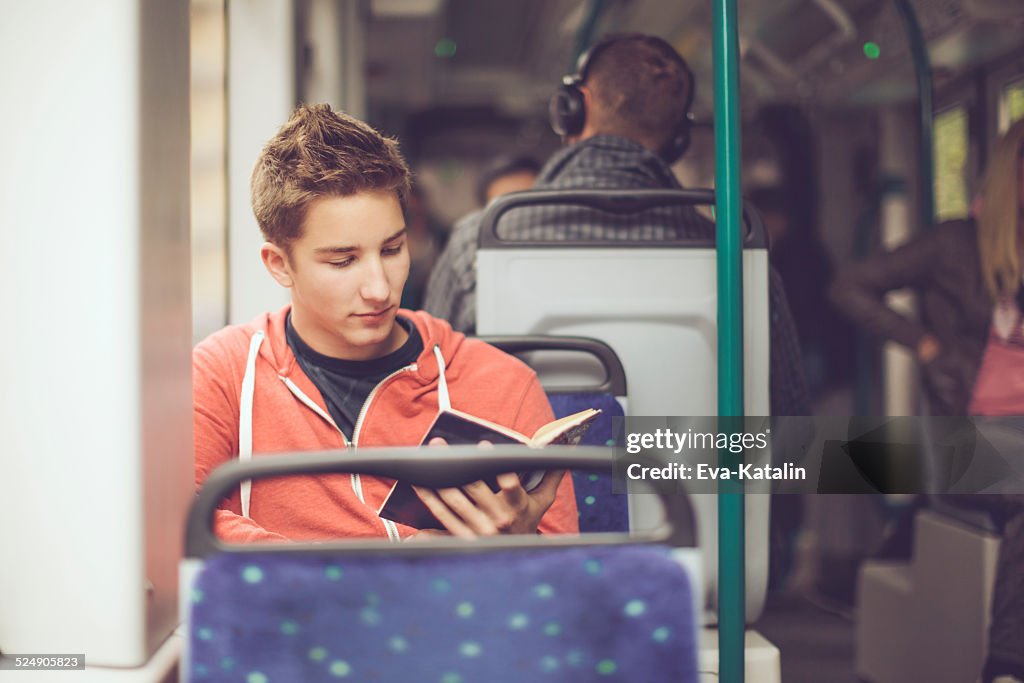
209, 172
951, 142
1011, 104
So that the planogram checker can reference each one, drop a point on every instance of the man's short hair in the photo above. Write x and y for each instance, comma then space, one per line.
320, 153
641, 89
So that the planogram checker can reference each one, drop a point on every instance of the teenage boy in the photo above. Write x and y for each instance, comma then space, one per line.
342, 366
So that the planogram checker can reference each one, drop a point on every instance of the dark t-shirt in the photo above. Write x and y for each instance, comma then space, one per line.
345, 384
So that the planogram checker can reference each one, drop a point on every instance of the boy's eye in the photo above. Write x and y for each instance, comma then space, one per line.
390, 251
342, 263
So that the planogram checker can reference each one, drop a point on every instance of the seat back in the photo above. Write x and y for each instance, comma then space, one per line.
655, 304
606, 607
599, 509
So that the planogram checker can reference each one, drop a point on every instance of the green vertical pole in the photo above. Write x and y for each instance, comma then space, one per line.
585, 34
731, 551
925, 106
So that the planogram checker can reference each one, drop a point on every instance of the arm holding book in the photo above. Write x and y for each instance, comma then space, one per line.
475, 510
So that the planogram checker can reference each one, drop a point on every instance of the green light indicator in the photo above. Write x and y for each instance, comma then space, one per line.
871, 50
445, 48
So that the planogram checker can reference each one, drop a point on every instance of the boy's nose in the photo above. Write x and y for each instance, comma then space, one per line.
375, 286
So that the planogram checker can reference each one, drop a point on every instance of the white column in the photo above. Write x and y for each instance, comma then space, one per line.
95, 370
335, 33
261, 96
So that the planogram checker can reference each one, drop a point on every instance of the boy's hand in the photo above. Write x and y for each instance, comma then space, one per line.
474, 510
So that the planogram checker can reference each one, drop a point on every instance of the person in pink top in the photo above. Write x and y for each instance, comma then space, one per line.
970, 344
342, 366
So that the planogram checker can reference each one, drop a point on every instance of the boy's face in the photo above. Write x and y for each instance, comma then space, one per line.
346, 273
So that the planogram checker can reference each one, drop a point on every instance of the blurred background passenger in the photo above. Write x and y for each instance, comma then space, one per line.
802, 261
506, 174
425, 243
968, 276
970, 343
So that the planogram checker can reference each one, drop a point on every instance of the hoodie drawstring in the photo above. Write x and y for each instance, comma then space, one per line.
245, 414
443, 401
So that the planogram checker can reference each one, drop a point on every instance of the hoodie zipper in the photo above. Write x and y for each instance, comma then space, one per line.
369, 398
389, 526
311, 404
356, 481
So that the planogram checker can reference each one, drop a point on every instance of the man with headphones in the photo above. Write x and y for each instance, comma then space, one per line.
642, 91
625, 118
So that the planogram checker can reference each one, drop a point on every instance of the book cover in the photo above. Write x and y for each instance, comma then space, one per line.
403, 506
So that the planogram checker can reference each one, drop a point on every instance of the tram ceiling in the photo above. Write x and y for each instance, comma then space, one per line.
510, 54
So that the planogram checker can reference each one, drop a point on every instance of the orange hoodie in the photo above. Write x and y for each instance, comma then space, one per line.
288, 414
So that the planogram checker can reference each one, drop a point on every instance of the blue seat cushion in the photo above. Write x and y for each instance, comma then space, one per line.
600, 509
610, 613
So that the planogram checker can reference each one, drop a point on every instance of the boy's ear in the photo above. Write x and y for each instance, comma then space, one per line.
276, 262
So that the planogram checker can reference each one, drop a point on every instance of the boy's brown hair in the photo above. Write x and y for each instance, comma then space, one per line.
320, 153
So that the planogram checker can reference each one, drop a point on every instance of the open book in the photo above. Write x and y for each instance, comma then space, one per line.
402, 505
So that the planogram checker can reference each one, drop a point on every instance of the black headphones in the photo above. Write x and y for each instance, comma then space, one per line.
567, 110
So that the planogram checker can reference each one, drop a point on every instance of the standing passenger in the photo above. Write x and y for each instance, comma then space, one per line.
342, 365
970, 342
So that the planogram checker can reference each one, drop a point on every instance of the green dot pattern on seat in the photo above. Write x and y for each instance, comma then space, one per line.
340, 668
570, 615
252, 574
518, 621
544, 591
552, 629
369, 616
635, 608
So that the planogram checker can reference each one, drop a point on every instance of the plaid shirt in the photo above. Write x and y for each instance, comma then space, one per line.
614, 163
